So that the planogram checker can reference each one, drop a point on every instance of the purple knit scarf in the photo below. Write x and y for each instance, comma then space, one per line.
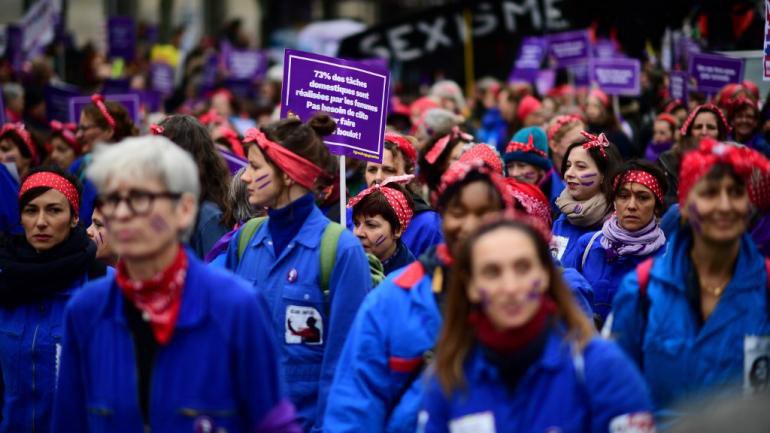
618, 241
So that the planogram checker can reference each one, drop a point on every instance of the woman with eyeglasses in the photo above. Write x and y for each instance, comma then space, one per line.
41, 270
169, 344
103, 122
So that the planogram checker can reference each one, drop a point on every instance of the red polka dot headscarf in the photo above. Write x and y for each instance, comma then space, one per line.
642, 178
54, 181
396, 199
746, 162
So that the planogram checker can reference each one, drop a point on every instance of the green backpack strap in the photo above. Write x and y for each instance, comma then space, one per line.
329, 241
247, 232
376, 269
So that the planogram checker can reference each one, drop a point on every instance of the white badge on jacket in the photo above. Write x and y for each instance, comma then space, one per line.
756, 364
640, 422
304, 325
483, 422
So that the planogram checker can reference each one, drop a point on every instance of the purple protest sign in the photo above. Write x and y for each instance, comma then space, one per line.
121, 38
129, 100
57, 100
245, 64
355, 95
712, 71
162, 78
531, 53
605, 49
581, 75
568, 48
677, 85
14, 39
545, 81
617, 76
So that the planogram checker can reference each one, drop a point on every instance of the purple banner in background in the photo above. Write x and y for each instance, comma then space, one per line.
569, 48
677, 85
121, 38
616, 76
531, 53
354, 94
545, 81
580, 74
57, 99
605, 49
162, 78
245, 64
14, 40
234, 162
128, 100
712, 71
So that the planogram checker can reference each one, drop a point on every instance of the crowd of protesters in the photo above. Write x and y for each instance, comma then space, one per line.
518, 261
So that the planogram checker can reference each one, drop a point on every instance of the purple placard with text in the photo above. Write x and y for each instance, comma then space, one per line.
354, 94
245, 64
712, 71
129, 100
162, 78
581, 76
531, 53
568, 48
677, 85
605, 49
545, 81
121, 38
57, 99
616, 76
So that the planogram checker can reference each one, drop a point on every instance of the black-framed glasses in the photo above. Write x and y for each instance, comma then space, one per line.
139, 202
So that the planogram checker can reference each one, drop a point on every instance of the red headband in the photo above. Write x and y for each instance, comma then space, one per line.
486, 153
67, 133
599, 142
671, 120
671, 106
21, 132
232, 138
709, 108
460, 170
156, 129
601, 96
740, 102
532, 199
296, 167
642, 178
743, 160
403, 144
98, 100
210, 116
515, 146
395, 198
53, 181
560, 122
442, 142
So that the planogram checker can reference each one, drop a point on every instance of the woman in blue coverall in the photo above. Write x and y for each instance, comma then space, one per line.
627, 238
698, 319
377, 386
41, 269
169, 344
516, 354
398, 159
287, 163
587, 168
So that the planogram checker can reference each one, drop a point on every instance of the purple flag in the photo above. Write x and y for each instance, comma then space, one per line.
121, 38
712, 71
616, 76
354, 94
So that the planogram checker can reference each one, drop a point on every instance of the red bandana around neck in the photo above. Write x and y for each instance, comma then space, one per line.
513, 340
158, 298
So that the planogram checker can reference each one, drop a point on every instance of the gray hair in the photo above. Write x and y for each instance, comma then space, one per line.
146, 157
238, 195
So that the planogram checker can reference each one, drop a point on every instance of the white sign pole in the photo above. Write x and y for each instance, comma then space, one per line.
343, 192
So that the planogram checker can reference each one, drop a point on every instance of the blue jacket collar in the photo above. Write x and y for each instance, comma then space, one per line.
194, 298
674, 265
309, 234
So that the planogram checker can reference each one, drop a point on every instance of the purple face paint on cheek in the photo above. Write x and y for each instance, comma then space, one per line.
484, 296
695, 218
586, 183
264, 185
101, 238
259, 179
158, 224
588, 176
379, 240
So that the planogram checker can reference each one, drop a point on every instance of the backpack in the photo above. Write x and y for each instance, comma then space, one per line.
329, 241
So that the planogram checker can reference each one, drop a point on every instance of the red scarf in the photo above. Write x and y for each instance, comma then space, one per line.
510, 341
158, 298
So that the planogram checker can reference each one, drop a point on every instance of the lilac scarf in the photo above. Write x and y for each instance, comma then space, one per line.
653, 151
618, 241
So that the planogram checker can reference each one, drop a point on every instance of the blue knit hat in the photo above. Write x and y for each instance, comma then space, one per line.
529, 145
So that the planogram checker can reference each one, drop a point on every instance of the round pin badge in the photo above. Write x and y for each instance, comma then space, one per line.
292, 277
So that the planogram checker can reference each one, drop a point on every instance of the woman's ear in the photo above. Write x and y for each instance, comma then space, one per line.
398, 233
